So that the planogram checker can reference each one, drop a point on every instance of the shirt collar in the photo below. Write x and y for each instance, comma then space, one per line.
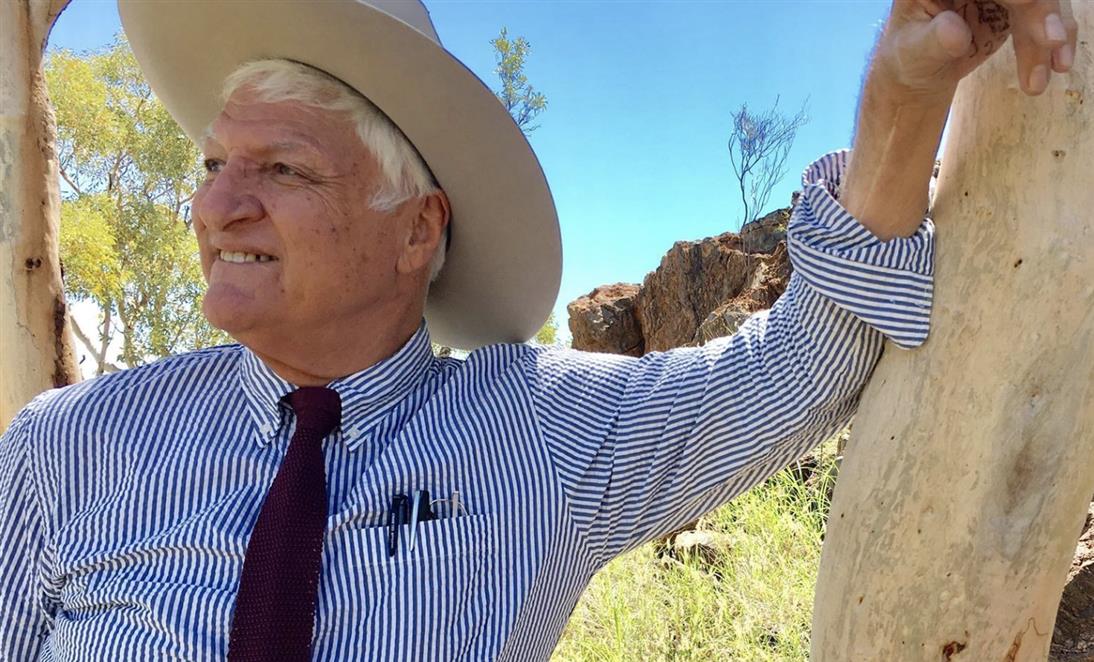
367, 396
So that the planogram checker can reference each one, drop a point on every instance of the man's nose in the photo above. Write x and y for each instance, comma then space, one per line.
228, 198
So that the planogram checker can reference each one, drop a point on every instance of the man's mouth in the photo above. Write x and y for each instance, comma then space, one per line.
240, 258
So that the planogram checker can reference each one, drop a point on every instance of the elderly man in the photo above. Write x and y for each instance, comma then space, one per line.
327, 488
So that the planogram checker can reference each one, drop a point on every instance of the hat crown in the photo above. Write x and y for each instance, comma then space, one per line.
411, 12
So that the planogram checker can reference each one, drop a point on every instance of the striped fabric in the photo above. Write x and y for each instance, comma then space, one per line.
126, 501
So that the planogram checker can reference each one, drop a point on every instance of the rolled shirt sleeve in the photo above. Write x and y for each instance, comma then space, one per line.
644, 445
887, 285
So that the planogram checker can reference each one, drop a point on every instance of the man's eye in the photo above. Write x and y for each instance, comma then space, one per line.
282, 169
213, 166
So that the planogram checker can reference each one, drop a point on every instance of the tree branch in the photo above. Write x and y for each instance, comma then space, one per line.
102, 366
82, 337
68, 180
105, 339
762, 142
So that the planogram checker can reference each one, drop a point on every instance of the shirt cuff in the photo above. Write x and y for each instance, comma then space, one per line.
888, 285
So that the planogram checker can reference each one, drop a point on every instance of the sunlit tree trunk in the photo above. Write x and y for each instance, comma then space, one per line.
35, 350
971, 463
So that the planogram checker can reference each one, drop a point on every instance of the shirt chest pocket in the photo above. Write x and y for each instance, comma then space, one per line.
429, 602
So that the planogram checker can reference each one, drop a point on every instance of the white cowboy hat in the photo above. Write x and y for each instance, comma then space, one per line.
502, 272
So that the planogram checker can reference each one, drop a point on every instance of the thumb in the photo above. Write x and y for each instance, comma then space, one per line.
940, 41
949, 35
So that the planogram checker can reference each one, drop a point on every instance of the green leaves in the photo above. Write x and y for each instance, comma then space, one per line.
92, 268
518, 96
129, 173
548, 335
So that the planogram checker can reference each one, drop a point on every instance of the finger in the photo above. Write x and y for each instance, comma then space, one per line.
1042, 21
1064, 56
1038, 30
1033, 63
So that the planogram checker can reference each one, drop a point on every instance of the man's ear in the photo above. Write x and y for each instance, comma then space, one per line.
429, 218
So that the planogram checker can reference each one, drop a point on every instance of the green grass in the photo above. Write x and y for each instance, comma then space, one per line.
754, 602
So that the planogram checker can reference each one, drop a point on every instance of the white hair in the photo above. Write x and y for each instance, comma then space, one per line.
404, 174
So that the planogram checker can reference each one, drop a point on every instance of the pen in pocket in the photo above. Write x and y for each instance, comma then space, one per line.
419, 512
396, 517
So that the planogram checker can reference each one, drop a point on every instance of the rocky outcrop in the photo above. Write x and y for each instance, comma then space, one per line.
1073, 640
706, 289
765, 233
606, 320
694, 278
770, 276
701, 290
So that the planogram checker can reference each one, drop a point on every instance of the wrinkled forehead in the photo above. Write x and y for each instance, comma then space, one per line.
280, 125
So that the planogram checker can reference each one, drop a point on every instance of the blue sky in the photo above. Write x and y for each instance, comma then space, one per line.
639, 99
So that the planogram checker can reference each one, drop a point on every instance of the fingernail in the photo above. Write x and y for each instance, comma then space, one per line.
1065, 56
1038, 79
1054, 28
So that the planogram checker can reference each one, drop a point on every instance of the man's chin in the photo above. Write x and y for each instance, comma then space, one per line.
229, 316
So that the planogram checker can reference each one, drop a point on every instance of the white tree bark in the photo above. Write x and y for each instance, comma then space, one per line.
35, 351
971, 464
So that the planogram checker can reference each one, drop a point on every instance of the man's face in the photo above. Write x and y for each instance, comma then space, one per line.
288, 241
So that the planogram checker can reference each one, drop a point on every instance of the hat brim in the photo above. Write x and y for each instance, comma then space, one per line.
504, 264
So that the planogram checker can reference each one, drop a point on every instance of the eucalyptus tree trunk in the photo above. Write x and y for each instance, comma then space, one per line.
971, 463
35, 351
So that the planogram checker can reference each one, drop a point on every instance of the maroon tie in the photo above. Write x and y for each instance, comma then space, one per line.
275, 608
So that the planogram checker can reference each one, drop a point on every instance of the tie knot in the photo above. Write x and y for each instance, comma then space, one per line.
317, 408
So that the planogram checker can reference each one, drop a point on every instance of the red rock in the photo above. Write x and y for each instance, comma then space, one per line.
693, 279
764, 234
701, 290
604, 321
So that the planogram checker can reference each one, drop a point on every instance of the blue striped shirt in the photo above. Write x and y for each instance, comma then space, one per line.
126, 501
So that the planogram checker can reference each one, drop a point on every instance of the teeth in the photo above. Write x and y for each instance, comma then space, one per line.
240, 258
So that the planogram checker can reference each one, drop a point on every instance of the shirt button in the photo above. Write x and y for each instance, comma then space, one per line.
265, 428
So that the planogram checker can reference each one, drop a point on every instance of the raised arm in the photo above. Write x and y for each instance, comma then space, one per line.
644, 445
